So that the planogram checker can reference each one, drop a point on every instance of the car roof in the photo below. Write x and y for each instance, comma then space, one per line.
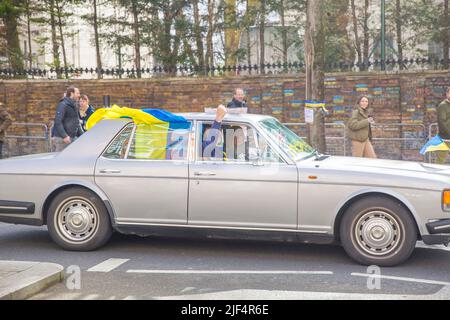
246, 117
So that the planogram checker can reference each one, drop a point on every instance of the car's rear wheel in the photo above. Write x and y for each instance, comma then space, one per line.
77, 220
378, 231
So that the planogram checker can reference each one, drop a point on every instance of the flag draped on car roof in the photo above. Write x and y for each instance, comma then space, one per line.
158, 117
155, 136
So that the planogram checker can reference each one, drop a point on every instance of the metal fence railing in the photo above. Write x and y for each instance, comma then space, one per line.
189, 70
335, 136
26, 138
397, 141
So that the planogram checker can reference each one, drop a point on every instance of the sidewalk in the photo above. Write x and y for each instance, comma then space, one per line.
20, 280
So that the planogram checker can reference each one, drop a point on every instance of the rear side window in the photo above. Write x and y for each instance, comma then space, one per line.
159, 142
118, 147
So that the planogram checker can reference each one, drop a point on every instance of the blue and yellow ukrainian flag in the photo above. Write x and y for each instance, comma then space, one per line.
434, 144
155, 137
314, 104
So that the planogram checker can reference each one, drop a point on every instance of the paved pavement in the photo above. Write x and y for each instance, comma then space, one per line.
20, 280
131, 267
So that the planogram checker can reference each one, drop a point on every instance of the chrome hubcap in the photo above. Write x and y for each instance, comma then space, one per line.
377, 233
77, 220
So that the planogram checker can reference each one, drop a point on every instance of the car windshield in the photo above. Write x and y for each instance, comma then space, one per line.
295, 146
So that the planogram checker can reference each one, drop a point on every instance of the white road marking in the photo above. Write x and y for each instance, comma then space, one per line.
108, 265
91, 297
441, 283
247, 294
228, 272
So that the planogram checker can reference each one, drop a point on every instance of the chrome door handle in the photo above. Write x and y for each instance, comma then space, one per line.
110, 171
208, 174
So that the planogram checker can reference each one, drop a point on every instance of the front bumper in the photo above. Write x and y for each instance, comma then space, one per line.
439, 232
439, 227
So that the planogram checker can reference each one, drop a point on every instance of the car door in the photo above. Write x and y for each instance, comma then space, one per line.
241, 192
145, 176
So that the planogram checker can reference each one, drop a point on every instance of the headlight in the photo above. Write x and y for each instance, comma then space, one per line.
446, 200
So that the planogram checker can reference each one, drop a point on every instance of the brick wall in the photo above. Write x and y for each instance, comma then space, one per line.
407, 98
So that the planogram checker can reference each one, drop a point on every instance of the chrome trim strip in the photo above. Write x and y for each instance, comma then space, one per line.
217, 227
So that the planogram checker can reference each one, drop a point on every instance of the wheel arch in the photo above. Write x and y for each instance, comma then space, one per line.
371, 193
78, 184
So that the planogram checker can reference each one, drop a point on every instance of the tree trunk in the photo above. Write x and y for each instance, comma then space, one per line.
262, 30
446, 35
284, 35
398, 23
61, 36
209, 35
28, 13
198, 37
55, 44
366, 31
97, 41
249, 51
355, 31
12, 38
232, 32
315, 61
137, 44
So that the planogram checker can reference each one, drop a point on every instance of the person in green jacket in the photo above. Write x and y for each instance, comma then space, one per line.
443, 115
359, 129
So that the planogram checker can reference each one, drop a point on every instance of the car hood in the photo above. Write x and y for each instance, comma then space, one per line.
381, 164
377, 171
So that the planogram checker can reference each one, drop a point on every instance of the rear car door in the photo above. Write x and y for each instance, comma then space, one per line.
144, 173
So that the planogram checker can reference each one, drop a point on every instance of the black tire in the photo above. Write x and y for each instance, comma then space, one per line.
77, 220
378, 231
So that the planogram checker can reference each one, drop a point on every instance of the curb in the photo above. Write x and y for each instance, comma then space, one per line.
25, 279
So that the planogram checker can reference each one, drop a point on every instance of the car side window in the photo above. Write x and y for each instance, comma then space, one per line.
158, 142
234, 143
118, 147
266, 152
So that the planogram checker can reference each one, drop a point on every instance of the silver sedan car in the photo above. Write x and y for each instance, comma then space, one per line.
255, 180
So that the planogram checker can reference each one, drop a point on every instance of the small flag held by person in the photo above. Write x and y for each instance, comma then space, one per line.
434, 144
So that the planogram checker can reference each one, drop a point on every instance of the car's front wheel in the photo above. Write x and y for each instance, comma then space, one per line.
78, 220
378, 231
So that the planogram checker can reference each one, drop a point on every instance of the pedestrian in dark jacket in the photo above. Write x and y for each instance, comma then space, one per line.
443, 115
238, 100
67, 120
359, 129
5, 121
